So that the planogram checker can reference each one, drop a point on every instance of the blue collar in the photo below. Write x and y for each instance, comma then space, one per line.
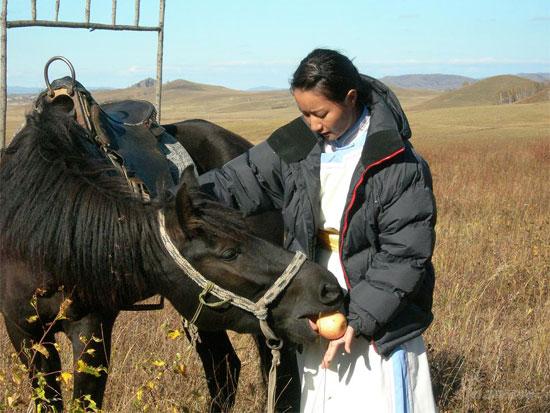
351, 133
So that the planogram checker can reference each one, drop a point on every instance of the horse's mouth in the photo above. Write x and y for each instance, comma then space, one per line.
311, 321
307, 322
312, 325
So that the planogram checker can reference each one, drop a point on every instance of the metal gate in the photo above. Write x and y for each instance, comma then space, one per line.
86, 24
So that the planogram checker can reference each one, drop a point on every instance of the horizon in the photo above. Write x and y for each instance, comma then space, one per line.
260, 88
243, 46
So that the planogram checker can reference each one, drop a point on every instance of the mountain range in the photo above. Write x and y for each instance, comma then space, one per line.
443, 82
436, 82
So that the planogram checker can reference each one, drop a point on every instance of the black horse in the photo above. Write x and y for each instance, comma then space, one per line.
211, 146
77, 246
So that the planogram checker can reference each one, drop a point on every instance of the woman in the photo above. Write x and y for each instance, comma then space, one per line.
356, 197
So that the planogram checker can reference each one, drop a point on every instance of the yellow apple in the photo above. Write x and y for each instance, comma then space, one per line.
332, 325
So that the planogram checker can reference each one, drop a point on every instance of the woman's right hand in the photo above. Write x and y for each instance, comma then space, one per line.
334, 346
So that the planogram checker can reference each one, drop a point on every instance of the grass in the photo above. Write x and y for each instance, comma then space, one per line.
488, 345
490, 337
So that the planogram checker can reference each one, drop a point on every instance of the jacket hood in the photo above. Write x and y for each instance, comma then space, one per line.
383, 102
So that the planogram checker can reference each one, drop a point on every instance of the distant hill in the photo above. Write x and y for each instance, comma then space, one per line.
148, 82
438, 82
537, 77
541, 96
263, 89
491, 91
179, 84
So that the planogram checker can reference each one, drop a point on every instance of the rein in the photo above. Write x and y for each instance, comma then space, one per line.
258, 308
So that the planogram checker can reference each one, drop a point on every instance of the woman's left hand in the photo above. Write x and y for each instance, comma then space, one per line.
334, 345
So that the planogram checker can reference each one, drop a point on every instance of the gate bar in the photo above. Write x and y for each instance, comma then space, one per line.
160, 44
57, 10
136, 8
3, 76
80, 25
87, 11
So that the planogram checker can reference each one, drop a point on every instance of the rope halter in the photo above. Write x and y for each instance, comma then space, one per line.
258, 308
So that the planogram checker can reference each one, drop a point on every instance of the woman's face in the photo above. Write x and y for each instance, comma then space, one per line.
324, 116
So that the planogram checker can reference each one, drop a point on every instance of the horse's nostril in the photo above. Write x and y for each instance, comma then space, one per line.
329, 293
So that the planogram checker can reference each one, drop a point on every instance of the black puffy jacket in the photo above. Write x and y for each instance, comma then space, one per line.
387, 231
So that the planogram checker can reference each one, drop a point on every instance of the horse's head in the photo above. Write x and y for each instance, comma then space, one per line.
214, 240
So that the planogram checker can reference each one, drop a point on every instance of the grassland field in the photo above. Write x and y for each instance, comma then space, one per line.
488, 345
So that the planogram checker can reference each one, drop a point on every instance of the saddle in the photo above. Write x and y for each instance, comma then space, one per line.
127, 132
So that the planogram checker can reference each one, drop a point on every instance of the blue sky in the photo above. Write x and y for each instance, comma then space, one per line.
243, 44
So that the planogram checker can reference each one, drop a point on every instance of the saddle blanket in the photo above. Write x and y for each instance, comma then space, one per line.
177, 156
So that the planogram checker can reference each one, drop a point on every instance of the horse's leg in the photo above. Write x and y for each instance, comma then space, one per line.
287, 393
91, 340
221, 367
37, 352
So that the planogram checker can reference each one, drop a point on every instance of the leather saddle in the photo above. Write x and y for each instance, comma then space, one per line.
127, 132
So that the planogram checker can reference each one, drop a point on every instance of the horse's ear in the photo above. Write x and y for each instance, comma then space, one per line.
184, 205
184, 202
189, 178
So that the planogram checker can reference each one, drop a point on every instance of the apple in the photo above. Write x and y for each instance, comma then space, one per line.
332, 325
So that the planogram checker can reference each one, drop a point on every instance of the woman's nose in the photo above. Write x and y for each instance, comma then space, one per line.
316, 125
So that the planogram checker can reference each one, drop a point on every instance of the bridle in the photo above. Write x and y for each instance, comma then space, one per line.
260, 308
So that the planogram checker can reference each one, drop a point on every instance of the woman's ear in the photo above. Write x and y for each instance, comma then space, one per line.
351, 98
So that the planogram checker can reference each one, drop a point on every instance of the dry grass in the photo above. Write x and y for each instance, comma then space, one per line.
490, 337
488, 345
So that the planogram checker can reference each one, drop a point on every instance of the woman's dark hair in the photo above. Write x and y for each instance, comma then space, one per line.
331, 73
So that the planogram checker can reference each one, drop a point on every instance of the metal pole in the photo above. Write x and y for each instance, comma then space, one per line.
57, 10
33, 8
159, 58
3, 75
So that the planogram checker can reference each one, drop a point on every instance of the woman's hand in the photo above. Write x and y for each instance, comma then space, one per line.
334, 345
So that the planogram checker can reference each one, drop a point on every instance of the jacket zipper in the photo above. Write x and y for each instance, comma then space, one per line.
346, 214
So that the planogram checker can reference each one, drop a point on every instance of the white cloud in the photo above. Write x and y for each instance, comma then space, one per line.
139, 69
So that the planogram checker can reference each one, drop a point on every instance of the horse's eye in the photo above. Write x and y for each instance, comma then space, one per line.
230, 254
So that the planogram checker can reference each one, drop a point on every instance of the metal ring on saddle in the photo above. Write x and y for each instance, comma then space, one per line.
47, 80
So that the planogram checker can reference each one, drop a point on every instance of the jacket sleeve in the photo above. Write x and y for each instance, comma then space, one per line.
251, 182
406, 220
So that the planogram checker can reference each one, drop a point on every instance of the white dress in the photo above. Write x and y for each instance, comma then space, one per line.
362, 381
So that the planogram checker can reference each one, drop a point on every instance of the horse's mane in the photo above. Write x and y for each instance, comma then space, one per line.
65, 210
212, 218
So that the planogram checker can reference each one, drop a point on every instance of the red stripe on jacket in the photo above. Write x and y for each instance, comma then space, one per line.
346, 216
